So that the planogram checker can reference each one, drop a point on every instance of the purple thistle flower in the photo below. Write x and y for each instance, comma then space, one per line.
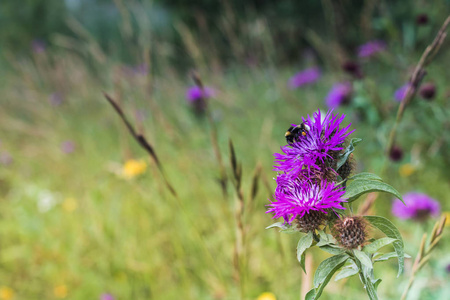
418, 206
313, 149
195, 93
297, 198
106, 296
400, 93
339, 94
307, 76
371, 48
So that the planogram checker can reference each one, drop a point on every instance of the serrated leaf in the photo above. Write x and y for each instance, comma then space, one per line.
344, 156
356, 188
331, 249
347, 271
391, 231
377, 244
363, 258
366, 176
326, 270
304, 243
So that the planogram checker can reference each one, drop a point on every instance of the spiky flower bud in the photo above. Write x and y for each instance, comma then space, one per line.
310, 221
350, 232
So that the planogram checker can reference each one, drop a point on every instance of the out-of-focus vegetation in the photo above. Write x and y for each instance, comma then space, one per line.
84, 211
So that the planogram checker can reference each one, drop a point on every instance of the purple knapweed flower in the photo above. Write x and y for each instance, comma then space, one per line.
400, 93
307, 76
324, 135
371, 48
418, 206
106, 296
339, 94
195, 93
300, 197
38, 46
68, 147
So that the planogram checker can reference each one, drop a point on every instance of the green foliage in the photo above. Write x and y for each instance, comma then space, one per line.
391, 231
359, 187
304, 243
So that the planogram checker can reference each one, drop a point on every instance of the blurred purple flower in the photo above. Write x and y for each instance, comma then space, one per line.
339, 94
307, 76
428, 91
418, 206
68, 147
38, 46
371, 48
56, 99
141, 69
195, 93
5, 159
353, 68
400, 93
448, 268
107, 296
422, 19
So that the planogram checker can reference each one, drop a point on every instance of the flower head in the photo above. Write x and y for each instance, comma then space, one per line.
324, 137
400, 93
267, 296
339, 94
371, 48
6, 293
196, 93
418, 206
307, 76
303, 197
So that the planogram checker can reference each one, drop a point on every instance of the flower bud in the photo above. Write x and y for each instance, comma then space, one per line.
310, 221
396, 153
428, 91
350, 232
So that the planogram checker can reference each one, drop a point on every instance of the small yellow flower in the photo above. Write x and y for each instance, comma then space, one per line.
70, 204
267, 296
406, 170
60, 291
133, 168
6, 293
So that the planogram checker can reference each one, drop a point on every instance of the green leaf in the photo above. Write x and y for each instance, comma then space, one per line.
284, 227
281, 225
344, 156
391, 231
331, 249
389, 255
377, 244
356, 188
363, 258
311, 295
326, 270
304, 243
366, 176
347, 271
325, 239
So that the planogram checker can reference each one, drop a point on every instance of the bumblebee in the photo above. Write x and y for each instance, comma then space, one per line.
294, 133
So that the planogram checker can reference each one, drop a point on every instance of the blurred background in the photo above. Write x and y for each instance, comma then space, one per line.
85, 213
